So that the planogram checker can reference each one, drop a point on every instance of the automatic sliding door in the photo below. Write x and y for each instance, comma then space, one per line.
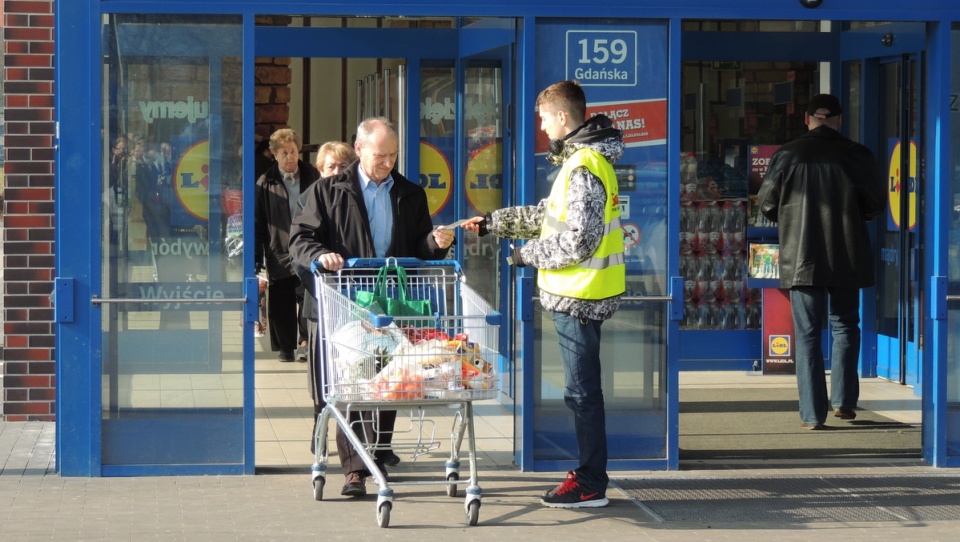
172, 350
898, 286
622, 66
951, 365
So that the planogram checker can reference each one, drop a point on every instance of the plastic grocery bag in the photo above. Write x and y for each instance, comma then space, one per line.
378, 300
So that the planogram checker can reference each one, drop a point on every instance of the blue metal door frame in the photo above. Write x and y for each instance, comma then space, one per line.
491, 40
936, 416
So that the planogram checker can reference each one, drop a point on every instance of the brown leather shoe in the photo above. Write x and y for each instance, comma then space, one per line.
812, 426
845, 413
355, 486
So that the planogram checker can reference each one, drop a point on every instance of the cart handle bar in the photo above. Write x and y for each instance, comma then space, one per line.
376, 263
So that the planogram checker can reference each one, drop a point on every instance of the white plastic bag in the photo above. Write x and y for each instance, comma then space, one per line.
358, 339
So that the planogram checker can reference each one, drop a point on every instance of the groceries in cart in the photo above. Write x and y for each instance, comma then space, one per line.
418, 337
402, 363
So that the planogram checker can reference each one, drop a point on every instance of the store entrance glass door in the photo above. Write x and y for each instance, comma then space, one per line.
172, 384
899, 321
950, 368
486, 96
885, 113
638, 376
445, 83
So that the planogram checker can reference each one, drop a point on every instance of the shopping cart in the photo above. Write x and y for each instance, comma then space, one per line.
368, 361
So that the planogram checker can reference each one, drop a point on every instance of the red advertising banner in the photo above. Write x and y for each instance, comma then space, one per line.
759, 162
644, 122
778, 338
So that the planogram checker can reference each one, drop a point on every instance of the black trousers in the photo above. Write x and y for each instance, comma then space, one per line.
285, 314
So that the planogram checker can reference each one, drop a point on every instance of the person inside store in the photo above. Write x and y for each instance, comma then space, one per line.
369, 210
822, 190
576, 243
275, 204
118, 170
333, 158
154, 191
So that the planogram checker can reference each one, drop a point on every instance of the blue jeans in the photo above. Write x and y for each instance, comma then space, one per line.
580, 354
809, 304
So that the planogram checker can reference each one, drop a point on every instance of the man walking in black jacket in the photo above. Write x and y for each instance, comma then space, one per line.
821, 189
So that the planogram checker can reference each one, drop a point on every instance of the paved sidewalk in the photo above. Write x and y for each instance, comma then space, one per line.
37, 504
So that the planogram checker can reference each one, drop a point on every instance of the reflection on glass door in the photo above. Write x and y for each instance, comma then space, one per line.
898, 295
477, 188
172, 348
483, 140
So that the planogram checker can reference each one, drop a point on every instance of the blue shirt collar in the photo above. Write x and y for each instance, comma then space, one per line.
365, 180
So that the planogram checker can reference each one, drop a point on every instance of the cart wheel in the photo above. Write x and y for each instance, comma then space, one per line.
452, 488
318, 488
383, 514
473, 512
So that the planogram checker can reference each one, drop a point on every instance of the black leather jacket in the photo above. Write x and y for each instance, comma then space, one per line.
821, 189
334, 219
273, 220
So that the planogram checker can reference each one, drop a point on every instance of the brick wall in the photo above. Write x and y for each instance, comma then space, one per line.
28, 214
272, 95
272, 87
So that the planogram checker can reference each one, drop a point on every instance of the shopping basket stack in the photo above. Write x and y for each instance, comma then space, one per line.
441, 352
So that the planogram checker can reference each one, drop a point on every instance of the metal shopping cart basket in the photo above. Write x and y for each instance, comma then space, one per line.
369, 361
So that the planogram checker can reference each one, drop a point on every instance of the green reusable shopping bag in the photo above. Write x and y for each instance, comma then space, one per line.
379, 302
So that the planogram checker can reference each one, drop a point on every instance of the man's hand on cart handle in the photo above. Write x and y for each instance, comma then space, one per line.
331, 261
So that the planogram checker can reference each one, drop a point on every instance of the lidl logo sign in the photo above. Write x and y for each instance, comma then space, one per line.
779, 345
436, 177
485, 178
897, 182
193, 180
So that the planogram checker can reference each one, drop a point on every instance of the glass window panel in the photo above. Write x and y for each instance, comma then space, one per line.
483, 140
634, 385
172, 369
952, 360
622, 65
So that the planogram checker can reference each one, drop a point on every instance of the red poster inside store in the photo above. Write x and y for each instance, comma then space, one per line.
778, 338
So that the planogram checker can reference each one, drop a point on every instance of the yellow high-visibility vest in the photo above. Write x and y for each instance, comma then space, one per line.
603, 274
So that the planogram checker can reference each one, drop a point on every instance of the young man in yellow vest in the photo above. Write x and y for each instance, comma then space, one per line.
576, 243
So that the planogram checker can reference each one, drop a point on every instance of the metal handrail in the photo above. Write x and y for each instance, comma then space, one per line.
633, 298
105, 300
646, 298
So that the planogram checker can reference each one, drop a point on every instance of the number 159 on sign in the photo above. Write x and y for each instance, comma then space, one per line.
602, 57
